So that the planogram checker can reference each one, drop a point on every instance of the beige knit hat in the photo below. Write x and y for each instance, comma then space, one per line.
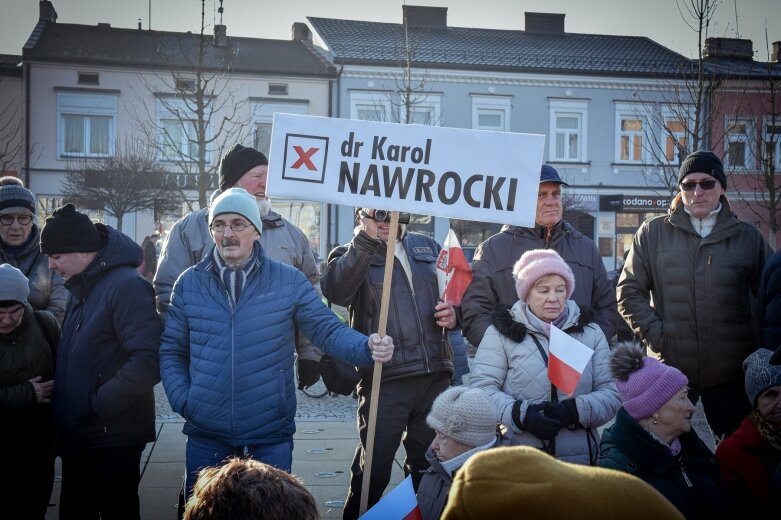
465, 415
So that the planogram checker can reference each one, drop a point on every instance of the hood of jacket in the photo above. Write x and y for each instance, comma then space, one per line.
559, 231
118, 250
512, 323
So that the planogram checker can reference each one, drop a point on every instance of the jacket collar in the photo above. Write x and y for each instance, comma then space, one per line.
511, 322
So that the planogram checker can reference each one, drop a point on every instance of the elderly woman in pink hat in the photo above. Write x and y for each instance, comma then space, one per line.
511, 365
653, 438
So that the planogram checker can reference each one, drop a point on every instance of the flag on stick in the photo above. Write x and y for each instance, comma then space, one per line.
567, 360
453, 272
399, 504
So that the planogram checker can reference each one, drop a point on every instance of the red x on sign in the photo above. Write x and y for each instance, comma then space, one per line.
304, 158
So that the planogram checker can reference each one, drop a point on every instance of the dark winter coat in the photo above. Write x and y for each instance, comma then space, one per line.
354, 280
703, 292
769, 302
690, 480
107, 360
493, 283
47, 289
433, 489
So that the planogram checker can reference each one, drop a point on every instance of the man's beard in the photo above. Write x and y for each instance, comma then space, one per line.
264, 206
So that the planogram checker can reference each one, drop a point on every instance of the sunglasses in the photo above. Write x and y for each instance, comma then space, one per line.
382, 215
705, 185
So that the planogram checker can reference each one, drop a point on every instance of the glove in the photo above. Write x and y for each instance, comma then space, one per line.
539, 425
308, 373
566, 412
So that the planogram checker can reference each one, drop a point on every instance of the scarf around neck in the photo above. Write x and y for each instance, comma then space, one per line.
234, 278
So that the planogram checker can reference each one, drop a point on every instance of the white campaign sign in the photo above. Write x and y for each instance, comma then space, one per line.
429, 170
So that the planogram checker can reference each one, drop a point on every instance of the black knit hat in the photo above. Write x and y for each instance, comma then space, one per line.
69, 231
238, 161
703, 161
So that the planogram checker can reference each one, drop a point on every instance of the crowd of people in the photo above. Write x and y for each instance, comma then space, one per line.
235, 310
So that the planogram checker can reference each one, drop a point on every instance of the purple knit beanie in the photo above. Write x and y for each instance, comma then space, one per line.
644, 383
537, 263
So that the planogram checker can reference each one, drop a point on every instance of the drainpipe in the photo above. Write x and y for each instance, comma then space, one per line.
26, 71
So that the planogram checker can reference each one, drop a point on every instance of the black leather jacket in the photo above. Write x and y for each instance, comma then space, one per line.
354, 279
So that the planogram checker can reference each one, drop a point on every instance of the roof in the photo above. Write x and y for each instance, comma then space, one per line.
360, 42
734, 68
133, 48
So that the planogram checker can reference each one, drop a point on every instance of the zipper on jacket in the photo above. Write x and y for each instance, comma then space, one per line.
710, 258
685, 476
547, 237
426, 360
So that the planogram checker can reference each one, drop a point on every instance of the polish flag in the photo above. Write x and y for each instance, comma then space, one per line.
453, 272
567, 359
399, 504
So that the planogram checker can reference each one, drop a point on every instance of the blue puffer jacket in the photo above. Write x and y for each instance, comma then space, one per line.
107, 358
229, 373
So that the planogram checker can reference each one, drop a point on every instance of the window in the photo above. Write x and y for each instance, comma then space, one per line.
630, 145
86, 124
263, 118
424, 110
177, 125
568, 121
773, 144
491, 113
185, 84
738, 144
277, 89
675, 139
370, 106
88, 78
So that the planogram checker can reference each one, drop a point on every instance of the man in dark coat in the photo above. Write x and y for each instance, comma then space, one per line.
492, 278
107, 366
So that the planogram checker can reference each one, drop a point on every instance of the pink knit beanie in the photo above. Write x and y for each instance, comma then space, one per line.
644, 383
537, 263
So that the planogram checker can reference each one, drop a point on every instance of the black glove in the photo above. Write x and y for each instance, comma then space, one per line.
308, 373
566, 412
539, 425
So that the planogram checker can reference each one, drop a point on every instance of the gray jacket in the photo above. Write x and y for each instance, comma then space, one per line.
189, 240
509, 367
493, 284
47, 289
703, 290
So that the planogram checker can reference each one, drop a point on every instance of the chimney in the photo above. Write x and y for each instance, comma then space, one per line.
729, 48
301, 32
776, 56
544, 23
47, 12
220, 35
425, 17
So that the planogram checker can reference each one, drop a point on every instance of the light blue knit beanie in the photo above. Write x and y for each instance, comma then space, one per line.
239, 201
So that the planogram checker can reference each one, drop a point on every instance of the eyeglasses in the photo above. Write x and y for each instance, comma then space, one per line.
382, 215
705, 185
7, 220
236, 227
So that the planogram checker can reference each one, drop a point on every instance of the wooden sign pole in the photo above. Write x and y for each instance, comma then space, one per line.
377, 374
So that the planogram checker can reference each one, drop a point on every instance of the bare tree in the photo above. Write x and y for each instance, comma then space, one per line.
199, 113
11, 123
754, 162
131, 180
679, 121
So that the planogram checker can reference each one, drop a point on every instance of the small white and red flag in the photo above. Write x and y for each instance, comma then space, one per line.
399, 504
567, 359
453, 272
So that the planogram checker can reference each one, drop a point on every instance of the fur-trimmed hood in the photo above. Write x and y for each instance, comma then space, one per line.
512, 323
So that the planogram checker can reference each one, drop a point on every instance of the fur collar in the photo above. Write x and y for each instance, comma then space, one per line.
508, 327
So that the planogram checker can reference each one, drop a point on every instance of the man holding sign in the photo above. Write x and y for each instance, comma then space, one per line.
422, 363
544, 364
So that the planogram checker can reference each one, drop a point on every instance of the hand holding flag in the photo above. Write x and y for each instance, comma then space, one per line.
567, 359
399, 504
453, 272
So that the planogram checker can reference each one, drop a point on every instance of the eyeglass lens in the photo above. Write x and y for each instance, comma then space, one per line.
705, 185
7, 220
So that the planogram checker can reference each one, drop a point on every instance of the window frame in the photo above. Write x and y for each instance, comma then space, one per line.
88, 106
263, 114
766, 123
374, 99
579, 109
175, 109
431, 103
630, 111
490, 105
749, 160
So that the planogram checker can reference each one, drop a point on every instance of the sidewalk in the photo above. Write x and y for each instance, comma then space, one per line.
325, 442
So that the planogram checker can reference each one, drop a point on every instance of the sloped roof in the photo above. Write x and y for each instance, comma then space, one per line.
105, 45
10, 65
360, 42
727, 68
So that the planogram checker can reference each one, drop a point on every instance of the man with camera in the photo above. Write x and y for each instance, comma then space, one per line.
422, 363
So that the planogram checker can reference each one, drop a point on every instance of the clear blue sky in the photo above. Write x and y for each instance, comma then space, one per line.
656, 19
